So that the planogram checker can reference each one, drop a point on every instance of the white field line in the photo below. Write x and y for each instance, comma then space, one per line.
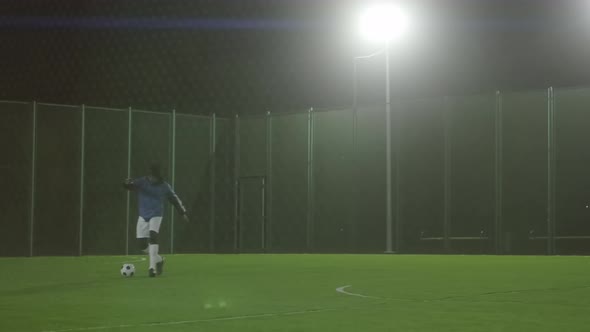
219, 319
448, 298
342, 291
181, 322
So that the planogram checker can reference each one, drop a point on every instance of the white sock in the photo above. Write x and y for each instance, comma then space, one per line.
154, 257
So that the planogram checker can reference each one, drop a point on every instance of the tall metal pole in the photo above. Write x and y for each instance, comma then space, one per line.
397, 225
354, 84
83, 140
388, 212
129, 128
388, 220
448, 154
355, 165
498, 175
33, 180
173, 176
550, 173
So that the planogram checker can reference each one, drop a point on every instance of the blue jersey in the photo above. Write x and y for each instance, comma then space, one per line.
151, 197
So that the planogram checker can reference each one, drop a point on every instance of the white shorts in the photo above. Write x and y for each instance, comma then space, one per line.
144, 227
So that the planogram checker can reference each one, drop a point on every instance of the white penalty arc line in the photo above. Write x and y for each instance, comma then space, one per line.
342, 291
219, 319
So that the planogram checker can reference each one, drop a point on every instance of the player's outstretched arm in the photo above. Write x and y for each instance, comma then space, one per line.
174, 200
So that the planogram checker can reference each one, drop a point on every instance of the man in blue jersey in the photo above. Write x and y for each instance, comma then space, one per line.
151, 192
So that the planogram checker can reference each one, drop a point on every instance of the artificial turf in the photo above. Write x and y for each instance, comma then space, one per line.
297, 293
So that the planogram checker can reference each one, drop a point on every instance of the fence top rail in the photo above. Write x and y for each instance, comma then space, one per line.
570, 237
440, 238
102, 108
15, 102
106, 108
290, 113
199, 116
571, 88
224, 117
251, 116
150, 112
59, 105
522, 92
336, 109
305, 111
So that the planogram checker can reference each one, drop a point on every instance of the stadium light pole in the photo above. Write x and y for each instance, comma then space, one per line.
384, 24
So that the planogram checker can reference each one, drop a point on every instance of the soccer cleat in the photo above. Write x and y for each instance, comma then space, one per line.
160, 267
151, 273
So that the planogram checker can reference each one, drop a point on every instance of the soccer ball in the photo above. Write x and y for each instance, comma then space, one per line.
127, 270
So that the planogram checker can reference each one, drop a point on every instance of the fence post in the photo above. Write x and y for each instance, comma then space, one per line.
236, 178
33, 180
213, 156
82, 153
499, 153
551, 153
173, 175
129, 129
267, 227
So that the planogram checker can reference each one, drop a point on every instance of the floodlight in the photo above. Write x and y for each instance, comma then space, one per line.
383, 23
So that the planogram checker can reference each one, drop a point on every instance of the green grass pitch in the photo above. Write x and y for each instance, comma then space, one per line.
297, 293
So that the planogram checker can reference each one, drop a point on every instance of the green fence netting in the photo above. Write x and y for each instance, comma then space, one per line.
16, 138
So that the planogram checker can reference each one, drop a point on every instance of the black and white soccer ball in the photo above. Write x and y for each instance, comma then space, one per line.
127, 270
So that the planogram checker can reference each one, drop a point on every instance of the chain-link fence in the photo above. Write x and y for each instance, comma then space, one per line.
65, 165
498, 173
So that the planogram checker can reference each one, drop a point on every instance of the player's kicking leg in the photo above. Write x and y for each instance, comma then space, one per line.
160, 266
156, 261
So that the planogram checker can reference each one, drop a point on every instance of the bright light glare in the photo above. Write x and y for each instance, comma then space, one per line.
383, 23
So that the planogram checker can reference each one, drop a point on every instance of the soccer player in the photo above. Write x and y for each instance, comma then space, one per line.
151, 192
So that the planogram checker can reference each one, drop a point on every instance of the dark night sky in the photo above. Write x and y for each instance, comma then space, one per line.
256, 55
